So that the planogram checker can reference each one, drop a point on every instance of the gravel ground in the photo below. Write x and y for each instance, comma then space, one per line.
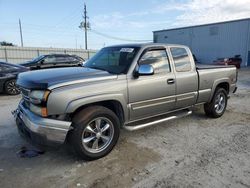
194, 151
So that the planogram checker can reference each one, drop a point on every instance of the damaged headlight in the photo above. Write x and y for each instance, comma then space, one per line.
39, 96
38, 102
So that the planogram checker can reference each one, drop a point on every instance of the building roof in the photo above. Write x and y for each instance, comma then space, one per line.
245, 19
144, 45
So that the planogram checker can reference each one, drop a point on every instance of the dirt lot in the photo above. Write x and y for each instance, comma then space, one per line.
195, 151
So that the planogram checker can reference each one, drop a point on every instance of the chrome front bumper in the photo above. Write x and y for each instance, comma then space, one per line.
43, 129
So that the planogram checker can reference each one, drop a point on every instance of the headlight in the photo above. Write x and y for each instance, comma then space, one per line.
41, 111
38, 100
39, 96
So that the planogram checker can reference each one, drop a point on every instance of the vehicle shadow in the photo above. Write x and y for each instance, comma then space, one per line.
11, 96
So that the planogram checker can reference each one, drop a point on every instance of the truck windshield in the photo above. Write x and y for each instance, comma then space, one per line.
115, 60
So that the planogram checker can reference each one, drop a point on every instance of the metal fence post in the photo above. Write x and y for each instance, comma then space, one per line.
38, 53
88, 54
5, 54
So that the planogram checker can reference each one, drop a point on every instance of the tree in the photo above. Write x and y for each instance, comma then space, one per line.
4, 43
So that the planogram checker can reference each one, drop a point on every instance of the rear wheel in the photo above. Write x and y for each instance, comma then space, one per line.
217, 106
96, 131
10, 87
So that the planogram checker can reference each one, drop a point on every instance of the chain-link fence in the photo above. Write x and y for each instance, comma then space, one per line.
22, 54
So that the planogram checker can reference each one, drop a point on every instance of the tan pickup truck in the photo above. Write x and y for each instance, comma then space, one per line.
124, 86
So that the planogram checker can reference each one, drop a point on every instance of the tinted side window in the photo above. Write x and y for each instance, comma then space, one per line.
181, 59
62, 59
158, 59
49, 59
71, 59
7, 68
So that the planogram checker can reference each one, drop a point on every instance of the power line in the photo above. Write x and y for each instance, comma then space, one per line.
118, 38
68, 18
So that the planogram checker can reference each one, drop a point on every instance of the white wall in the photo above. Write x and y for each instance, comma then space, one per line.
22, 54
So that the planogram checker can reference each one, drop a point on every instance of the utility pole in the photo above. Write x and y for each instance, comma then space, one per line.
85, 24
21, 33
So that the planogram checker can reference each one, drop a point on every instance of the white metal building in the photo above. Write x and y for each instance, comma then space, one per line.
211, 41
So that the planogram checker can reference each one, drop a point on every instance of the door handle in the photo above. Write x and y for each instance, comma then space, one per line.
171, 81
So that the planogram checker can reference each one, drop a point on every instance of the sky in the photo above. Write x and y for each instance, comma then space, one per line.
54, 23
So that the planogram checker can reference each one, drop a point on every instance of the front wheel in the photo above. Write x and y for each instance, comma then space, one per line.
218, 105
96, 131
11, 88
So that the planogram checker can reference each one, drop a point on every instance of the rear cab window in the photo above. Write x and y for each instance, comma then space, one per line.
182, 61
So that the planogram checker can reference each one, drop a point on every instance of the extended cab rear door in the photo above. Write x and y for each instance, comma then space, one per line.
186, 76
152, 95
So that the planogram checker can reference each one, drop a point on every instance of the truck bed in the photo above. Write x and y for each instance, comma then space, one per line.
210, 75
209, 66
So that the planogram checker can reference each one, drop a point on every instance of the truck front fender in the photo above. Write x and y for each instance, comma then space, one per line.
78, 103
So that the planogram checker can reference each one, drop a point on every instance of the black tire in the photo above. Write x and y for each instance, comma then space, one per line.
84, 119
10, 87
211, 109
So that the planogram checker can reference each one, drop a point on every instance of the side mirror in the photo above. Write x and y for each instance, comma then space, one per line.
42, 61
145, 70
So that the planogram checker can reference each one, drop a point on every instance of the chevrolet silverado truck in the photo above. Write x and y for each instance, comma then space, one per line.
129, 86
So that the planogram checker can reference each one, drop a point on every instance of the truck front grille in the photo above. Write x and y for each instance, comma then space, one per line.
25, 94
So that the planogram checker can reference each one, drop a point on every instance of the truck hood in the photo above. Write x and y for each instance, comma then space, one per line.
43, 79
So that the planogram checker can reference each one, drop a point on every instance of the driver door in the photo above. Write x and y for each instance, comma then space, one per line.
152, 94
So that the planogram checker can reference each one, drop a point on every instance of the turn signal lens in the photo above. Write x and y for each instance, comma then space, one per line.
41, 111
44, 112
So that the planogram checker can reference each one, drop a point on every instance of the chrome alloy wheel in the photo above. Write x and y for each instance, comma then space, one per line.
220, 103
97, 135
11, 88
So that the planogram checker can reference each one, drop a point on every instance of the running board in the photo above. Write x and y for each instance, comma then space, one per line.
144, 125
